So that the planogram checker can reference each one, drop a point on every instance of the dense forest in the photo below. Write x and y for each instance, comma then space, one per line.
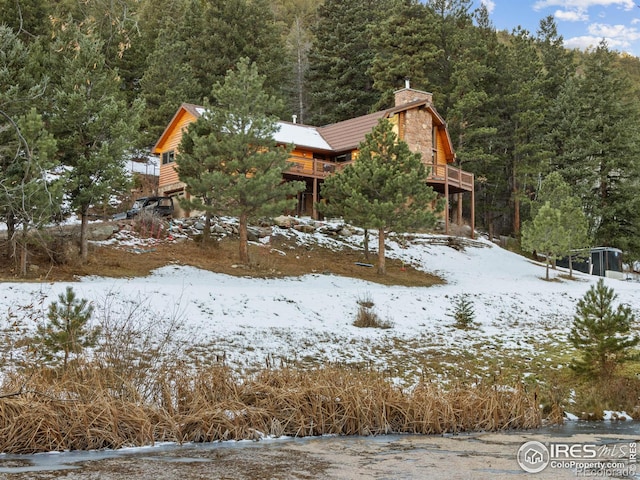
85, 84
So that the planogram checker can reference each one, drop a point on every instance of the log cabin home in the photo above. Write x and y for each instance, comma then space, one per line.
322, 151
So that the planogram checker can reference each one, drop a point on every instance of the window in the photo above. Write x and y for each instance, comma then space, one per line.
345, 157
434, 145
168, 157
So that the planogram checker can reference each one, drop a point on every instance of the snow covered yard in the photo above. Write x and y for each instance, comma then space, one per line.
252, 323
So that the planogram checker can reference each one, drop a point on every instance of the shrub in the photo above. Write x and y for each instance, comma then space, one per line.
601, 333
462, 312
367, 317
67, 329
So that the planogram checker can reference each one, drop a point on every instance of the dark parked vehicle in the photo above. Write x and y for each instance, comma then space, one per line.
160, 206
601, 261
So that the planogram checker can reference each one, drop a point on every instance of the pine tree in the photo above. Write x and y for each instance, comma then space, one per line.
404, 44
34, 188
228, 157
557, 193
183, 67
601, 332
462, 311
522, 126
384, 189
473, 118
597, 151
91, 121
340, 58
68, 327
546, 234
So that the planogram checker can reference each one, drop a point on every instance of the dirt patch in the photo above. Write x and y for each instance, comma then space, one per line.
281, 257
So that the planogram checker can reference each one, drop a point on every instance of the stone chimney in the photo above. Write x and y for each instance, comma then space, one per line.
408, 95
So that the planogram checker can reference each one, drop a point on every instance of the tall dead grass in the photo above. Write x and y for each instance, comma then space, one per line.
88, 406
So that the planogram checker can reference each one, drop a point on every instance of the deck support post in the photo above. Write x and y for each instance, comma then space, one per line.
314, 212
446, 200
473, 208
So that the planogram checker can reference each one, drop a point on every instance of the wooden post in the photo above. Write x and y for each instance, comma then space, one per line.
459, 213
446, 199
473, 208
314, 212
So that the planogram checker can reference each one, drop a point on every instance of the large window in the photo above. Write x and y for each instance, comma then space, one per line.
168, 157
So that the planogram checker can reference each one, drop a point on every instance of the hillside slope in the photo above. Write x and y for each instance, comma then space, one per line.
522, 320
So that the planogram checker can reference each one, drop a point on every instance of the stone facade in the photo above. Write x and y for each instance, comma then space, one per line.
416, 124
408, 95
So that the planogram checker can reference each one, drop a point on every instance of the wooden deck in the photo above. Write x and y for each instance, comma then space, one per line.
455, 179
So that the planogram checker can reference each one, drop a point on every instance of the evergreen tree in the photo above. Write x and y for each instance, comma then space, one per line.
68, 329
22, 87
404, 44
546, 234
602, 333
555, 191
168, 80
182, 67
228, 157
340, 59
29, 19
33, 188
473, 118
384, 189
522, 121
462, 311
91, 122
598, 151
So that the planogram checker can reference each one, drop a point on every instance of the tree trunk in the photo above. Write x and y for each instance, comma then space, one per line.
84, 231
516, 212
547, 277
206, 233
24, 252
366, 244
570, 266
382, 269
516, 204
244, 240
11, 239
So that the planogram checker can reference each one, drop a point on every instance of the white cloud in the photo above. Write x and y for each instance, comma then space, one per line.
582, 43
571, 15
619, 32
618, 37
584, 4
490, 4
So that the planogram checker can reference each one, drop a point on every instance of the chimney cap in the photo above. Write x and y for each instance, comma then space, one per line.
407, 83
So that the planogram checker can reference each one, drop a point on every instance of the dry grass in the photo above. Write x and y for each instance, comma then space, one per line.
85, 408
280, 258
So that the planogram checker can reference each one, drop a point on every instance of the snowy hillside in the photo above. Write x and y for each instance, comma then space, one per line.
251, 321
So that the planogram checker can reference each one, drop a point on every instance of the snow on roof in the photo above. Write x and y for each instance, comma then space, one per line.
302, 135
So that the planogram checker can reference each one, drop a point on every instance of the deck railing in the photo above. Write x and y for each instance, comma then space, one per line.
453, 176
438, 173
313, 167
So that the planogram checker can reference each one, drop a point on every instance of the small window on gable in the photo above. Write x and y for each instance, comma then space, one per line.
168, 157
